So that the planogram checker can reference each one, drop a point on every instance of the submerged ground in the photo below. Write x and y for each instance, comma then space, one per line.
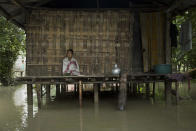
65, 114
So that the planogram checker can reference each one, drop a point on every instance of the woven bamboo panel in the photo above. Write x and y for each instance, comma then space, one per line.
93, 35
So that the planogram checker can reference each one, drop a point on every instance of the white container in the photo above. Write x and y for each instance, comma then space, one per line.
116, 70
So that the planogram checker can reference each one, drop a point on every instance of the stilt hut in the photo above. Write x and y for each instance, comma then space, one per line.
132, 33
135, 34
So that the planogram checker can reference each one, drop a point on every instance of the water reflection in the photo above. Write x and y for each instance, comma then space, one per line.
66, 115
81, 120
19, 99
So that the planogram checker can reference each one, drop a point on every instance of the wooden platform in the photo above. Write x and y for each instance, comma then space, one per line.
123, 80
94, 79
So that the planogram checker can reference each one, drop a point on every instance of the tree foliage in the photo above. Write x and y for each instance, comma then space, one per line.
185, 60
12, 41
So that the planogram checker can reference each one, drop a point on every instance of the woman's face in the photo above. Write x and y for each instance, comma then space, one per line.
69, 54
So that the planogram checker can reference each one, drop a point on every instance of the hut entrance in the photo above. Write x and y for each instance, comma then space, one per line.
95, 36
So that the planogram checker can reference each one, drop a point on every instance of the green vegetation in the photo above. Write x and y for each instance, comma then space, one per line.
184, 61
12, 41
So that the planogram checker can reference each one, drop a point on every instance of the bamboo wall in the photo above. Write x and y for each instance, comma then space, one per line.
93, 35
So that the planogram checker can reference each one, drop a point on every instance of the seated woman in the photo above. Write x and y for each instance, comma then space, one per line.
70, 64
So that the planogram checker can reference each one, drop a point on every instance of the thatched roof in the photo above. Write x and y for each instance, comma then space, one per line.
16, 10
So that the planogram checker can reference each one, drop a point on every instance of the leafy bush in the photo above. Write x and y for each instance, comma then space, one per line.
185, 61
12, 41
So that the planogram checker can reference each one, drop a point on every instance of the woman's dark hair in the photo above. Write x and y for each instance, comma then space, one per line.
70, 51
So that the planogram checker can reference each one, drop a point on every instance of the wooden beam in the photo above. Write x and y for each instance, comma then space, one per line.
174, 5
98, 4
7, 15
19, 3
18, 24
15, 13
6, 3
42, 2
160, 3
22, 9
4, 12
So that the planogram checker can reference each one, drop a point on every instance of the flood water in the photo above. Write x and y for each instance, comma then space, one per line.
66, 115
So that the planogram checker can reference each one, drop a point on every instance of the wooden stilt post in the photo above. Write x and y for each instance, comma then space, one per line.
48, 92
66, 88
30, 112
138, 88
29, 94
168, 92
75, 88
117, 87
128, 88
30, 100
123, 92
57, 91
134, 89
38, 90
147, 90
131, 88
113, 88
80, 93
96, 93
63, 89
41, 90
189, 85
154, 84
99, 88
177, 92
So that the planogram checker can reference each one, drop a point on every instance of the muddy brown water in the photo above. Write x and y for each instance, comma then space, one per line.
66, 115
